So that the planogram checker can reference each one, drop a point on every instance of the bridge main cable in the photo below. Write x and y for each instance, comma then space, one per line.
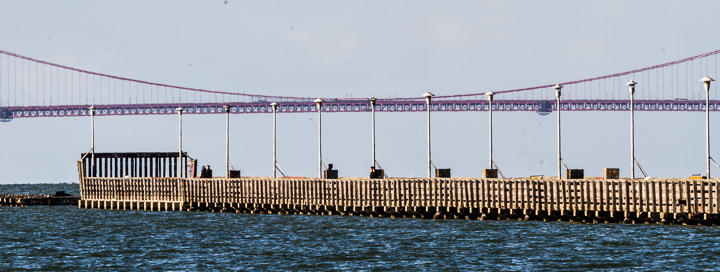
407, 98
590, 79
141, 81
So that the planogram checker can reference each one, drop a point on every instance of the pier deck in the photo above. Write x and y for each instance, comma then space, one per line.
670, 201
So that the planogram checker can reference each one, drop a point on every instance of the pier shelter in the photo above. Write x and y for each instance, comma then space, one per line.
137, 164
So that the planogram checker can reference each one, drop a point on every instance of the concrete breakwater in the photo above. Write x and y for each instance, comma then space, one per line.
667, 201
37, 200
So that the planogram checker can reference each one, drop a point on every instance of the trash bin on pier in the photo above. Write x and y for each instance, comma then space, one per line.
377, 174
611, 173
330, 174
233, 174
490, 173
575, 174
442, 173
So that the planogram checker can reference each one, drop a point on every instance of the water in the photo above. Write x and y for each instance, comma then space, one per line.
67, 238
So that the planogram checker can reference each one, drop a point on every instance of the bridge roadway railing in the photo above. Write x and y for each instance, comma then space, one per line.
540, 106
656, 198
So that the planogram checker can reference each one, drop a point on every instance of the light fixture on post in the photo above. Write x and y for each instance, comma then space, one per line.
428, 97
492, 171
631, 89
319, 103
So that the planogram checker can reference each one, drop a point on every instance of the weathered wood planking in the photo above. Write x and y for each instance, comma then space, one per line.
655, 200
630, 198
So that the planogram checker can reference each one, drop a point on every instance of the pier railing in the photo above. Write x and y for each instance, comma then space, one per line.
638, 196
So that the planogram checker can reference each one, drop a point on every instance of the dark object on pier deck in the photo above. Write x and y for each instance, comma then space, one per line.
380, 173
376, 173
442, 173
330, 174
233, 174
32, 200
575, 174
611, 173
490, 173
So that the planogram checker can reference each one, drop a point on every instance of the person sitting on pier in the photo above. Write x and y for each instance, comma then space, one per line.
373, 174
330, 167
208, 171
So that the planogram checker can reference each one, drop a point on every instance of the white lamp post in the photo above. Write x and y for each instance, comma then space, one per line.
558, 87
490, 96
372, 104
319, 108
92, 137
428, 96
227, 140
631, 86
706, 81
274, 108
180, 111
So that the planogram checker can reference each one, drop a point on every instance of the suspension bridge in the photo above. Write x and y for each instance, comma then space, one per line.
34, 88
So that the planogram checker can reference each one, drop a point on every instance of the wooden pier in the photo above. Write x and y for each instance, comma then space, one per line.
666, 201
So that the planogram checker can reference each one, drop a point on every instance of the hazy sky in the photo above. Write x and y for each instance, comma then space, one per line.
362, 49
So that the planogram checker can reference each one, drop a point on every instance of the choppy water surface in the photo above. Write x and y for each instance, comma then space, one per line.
67, 238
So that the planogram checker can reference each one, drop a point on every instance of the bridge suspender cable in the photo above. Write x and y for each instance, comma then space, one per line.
270, 97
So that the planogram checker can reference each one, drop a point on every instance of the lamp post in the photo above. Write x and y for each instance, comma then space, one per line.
319, 108
227, 140
180, 111
706, 81
428, 96
490, 96
558, 87
631, 89
92, 137
274, 108
372, 104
